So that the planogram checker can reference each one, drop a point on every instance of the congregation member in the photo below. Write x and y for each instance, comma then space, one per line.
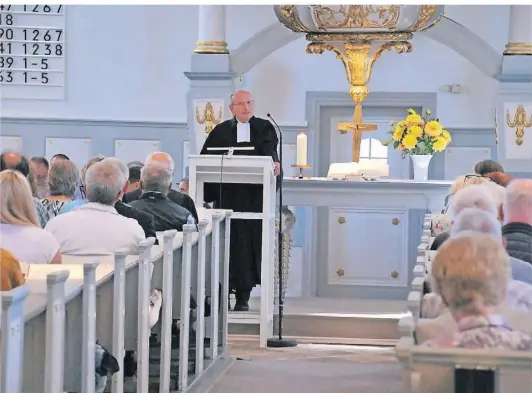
163, 160
96, 228
133, 178
79, 193
502, 179
155, 183
40, 167
243, 130
519, 292
63, 178
184, 187
145, 220
20, 232
17, 162
485, 167
471, 273
12, 275
517, 215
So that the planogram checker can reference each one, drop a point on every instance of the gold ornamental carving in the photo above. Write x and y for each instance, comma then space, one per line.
519, 122
340, 272
341, 220
426, 13
209, 119
289, 12
321, 37
394, 274
395, 221
356, 16
358, 60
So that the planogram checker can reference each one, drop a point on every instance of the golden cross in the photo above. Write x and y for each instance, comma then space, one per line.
357, 127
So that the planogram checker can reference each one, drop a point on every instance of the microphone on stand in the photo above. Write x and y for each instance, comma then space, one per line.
279, 341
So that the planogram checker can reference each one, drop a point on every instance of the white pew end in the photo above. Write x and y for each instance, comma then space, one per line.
414, 304
432, 370
143, 344
184, 322
88, 346
417, 284
406, 326
167, 306
421, 260
13, 339
422, 249
419, 270
55, 332
119, 310
225, 283
214, 285
200, 297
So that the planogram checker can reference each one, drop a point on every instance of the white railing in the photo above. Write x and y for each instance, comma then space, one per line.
50, 325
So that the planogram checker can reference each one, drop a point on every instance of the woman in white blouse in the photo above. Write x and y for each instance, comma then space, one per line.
20, 232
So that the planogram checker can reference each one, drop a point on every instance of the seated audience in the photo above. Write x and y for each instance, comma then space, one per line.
474, 220
96, 227
21, 234
485, 167
80, 193
517, 215
471, 273
11, 276
40, 168
63, 178
462, 182
502, 179
155, 183
144, 219
183, 187
133, 181
482, 196
18, 162
163, 160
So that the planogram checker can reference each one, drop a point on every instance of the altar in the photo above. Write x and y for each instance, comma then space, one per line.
361, 236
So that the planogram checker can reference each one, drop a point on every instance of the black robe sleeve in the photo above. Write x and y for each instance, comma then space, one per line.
214, 139
268, 147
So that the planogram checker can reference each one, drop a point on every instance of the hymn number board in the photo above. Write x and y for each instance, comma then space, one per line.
32, 51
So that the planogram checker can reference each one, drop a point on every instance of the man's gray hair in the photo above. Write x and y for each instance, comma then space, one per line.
476, 195
155, 178
63, 177
472, 219
104, 182
120, 165
518, 198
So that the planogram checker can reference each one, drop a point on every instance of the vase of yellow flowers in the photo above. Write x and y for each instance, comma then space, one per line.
419, 137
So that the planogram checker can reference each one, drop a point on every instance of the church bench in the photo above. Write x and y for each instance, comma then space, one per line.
417, 284
419, 270
413, 302
111, 279
432, 370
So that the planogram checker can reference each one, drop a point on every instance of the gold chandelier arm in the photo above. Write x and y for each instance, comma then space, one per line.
528, 124
509, 122
398, 46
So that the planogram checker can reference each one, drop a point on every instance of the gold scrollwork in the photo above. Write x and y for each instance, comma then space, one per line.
357, 16
209, 119
519, 122
292, 20
426, 13
343, 37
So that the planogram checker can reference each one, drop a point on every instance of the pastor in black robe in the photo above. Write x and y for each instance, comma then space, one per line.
246, 235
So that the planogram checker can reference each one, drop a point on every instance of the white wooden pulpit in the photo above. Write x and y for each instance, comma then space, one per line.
243, 169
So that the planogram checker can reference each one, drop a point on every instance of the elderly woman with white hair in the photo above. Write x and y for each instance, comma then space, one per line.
63, 178
471, 273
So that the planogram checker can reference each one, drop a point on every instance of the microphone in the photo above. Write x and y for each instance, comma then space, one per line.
279, 342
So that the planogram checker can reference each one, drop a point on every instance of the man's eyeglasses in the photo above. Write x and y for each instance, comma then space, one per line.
473, 175
244, 103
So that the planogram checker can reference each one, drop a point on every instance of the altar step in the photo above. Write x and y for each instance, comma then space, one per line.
330, 321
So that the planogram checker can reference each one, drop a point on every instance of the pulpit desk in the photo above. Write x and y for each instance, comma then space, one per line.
361, 236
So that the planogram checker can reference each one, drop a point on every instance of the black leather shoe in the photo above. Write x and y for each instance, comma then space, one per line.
242, 301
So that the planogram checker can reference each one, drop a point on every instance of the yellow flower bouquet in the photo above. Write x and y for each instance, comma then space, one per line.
418, 135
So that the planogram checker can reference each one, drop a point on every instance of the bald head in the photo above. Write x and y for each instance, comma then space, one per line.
517, 206
242, 105
15, 161
160, 160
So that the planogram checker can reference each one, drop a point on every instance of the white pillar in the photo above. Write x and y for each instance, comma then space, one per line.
520, 34
211, 35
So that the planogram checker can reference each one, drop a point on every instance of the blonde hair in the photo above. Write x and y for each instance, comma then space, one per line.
467, 180
16, 202
471, 271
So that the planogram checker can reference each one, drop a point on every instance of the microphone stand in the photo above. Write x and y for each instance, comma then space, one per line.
279, 341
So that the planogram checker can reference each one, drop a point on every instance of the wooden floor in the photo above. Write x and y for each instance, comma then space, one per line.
327, 320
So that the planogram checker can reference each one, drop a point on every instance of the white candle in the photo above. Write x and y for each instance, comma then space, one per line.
301, 149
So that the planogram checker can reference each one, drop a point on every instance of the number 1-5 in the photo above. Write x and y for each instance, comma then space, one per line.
44, 63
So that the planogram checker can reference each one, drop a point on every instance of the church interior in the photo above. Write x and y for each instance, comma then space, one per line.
234, 198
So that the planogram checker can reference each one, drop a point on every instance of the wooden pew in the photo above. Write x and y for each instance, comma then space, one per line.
102, 291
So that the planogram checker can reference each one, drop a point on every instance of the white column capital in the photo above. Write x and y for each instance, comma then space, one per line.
520, 32
211, 34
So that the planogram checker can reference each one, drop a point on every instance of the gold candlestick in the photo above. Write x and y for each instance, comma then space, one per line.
301, 167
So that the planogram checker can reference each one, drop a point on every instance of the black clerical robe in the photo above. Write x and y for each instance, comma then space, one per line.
246, 235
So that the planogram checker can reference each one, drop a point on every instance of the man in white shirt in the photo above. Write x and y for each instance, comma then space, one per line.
96, 227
